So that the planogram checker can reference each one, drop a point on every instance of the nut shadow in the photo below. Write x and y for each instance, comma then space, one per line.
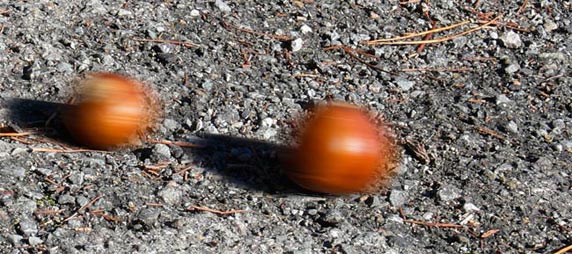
38, 116
248, 163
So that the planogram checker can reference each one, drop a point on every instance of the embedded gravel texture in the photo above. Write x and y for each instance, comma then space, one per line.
484, 120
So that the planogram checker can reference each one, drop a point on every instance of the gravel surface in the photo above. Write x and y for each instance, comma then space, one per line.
484, 119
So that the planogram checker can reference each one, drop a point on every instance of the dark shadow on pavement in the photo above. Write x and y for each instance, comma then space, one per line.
247, 163
40, 117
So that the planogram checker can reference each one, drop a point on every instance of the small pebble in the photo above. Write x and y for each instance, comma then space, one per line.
512, 68
35, 241
66, 199
16, 239
448, 193
305, 29
550, 25
297, 44
512, 127
28, 227
171, 195
195, 13
170, 124
511, 40
397, 198
405, 84
161, 151
501, 98
221, 5
148, 216
469, 207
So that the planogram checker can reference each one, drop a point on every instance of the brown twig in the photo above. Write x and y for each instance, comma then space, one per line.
50, 212
108, 217
245, 58
481, 59
156, 169
487, 131
59, 187
510, 25
218, 212
184, 170
177, 143
182, 43
522, 7
409, 2
249, 31
22, 140
350, 52
489, 233
459, 69
58, 150
418, 150
7, 192
15, 134
427, 36
475, 100
564, 250
87, 205
305, 75
2, 12
413, 35
438, 40
434, 224
428, 224
83, 229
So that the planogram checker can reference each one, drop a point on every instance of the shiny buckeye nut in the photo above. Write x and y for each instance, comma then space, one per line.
341, 151
113, 111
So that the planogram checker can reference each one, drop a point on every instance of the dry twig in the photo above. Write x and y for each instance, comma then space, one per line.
156, 169
350, 52
218, 212
489, 233
481, 59
398, 40
59, 187
108, 217
49, 212
564, 250
177, 143
87, 205
428, 224
409, 2
413, 35
418, 150
57, 150
15, 134
487, 131
460, 69
305, 75
522, 7
182, 43
184, 170
245, 30
510, 25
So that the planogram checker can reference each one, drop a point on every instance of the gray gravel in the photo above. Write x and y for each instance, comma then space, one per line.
497, 136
